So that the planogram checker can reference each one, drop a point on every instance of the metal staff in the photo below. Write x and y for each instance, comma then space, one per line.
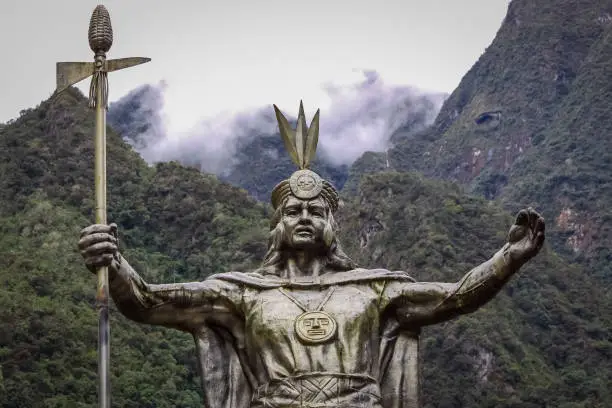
69, 73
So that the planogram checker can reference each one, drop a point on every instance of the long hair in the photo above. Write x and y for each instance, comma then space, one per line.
276, 257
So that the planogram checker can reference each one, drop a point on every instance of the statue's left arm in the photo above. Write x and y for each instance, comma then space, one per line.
424, 303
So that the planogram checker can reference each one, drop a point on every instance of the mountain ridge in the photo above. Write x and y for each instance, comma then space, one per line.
528, 126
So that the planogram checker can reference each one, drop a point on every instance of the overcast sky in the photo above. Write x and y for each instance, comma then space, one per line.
228, 55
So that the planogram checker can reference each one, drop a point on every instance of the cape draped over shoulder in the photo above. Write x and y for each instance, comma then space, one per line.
226, 378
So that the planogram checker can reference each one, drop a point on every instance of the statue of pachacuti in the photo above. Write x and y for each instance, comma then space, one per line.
309, 328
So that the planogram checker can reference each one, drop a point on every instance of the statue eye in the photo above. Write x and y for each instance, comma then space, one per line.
317, 212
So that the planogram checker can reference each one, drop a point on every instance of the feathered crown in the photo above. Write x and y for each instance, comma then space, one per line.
301, 144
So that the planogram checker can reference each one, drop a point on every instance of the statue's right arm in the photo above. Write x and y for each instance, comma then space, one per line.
184, 306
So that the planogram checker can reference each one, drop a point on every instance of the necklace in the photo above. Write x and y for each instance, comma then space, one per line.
313, 326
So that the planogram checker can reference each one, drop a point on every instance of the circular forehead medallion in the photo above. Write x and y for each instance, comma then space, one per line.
305, 184
315, 327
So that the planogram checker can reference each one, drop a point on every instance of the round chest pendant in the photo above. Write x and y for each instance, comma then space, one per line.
305, 184
315, 327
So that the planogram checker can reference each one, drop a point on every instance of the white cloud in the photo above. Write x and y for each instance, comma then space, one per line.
361, 114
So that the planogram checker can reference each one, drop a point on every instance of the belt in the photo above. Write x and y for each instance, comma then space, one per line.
320, 390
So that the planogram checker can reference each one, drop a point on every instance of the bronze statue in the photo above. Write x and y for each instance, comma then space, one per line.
308, 328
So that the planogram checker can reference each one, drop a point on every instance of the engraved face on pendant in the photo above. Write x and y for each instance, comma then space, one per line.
315, 327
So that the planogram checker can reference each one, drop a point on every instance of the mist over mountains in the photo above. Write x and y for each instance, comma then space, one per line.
361, 117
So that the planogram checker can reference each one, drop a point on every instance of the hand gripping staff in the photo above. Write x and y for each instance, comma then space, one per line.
69, 73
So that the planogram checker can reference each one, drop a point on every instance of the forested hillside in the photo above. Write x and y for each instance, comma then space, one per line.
547, 332
176, 224
530, 124
545, 341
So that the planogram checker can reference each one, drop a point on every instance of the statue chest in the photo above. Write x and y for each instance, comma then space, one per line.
343, 313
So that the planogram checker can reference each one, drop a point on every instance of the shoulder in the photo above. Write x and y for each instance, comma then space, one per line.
255, 279
386, 274
262, 280
368, 275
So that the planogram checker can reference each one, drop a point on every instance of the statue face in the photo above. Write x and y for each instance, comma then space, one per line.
304, 222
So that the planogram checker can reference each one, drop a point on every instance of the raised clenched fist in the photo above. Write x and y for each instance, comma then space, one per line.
526, 236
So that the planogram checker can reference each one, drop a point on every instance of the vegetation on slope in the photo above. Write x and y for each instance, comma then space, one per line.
529, 124
546, 332
176, 224
544, 341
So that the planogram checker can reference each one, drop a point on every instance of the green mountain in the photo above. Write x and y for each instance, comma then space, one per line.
176, 224
544, 342
529, 124
259, 160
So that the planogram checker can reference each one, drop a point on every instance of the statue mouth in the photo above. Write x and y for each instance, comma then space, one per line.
304, 231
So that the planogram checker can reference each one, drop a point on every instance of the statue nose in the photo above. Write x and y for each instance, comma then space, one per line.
304, 217
316, 324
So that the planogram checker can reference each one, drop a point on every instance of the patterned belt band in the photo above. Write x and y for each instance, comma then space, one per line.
318, 390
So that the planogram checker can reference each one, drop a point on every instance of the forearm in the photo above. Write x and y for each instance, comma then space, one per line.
178, 305
130, 292
424, 303
481, 284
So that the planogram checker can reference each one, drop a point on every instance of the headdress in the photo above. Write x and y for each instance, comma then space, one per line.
301, 144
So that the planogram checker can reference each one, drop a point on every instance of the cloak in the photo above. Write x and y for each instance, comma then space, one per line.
227, 382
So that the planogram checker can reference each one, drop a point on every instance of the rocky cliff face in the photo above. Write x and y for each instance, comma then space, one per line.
529, 123
515, 90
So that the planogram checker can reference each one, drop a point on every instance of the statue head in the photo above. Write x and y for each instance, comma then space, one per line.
301, 144
304, 204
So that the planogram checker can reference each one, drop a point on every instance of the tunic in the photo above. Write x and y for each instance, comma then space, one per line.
354, 369
341, 370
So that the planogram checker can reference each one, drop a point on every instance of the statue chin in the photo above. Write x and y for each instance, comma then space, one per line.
304, 242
